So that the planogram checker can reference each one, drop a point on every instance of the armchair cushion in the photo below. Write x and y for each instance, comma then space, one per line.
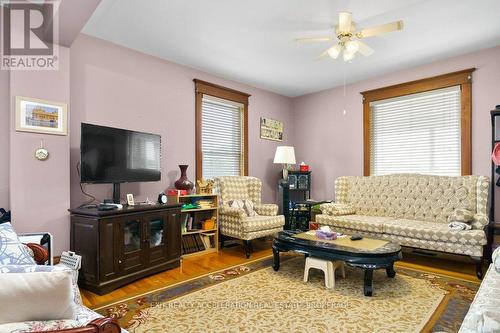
28, 293
238, 213
266, 209
336, 209
257, 223
12, 251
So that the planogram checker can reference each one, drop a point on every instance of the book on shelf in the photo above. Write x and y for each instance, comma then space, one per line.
193, 243
184, 221
204, 203
207, 241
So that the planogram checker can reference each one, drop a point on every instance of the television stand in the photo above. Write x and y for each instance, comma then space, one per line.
123, 245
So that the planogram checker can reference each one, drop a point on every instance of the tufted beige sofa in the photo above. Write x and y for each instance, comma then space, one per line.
412, 210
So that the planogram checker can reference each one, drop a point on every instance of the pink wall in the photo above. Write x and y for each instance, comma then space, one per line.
333, 143
4, 139
116, 86
40, 191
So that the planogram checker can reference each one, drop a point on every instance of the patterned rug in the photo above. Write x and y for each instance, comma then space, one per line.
254, 298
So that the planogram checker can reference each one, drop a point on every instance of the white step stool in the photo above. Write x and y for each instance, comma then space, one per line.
327, 266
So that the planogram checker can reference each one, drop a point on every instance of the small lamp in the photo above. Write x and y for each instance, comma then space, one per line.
284, 155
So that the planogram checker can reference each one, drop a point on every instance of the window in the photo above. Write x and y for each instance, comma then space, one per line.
419, 127
221, 131
419, 131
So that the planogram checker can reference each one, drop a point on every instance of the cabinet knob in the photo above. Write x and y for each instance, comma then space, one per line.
119, 261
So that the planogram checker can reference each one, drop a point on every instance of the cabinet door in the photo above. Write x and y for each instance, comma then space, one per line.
131, 241
109, 253
156, 240
174, 235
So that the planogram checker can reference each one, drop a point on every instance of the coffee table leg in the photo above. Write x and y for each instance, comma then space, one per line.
390, 271
276, 259
368, 287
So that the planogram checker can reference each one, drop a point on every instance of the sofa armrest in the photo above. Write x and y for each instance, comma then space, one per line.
266, 209
40, 254
336, 209
99, 325
232, 211
480, 221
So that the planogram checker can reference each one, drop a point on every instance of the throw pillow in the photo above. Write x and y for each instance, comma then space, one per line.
245, 204
12, 251
461, 215
35, 295
248, 206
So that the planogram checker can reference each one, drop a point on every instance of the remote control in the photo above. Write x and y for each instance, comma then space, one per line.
356, 237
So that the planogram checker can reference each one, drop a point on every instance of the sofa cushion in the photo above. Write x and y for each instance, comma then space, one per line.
433, 231
258, 222
83, 316
36, 296
356, 222
336, 209
12, 251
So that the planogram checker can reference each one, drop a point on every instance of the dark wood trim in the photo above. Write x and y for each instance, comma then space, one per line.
207, 88
462, 78
216, 90
198, 156
245, 140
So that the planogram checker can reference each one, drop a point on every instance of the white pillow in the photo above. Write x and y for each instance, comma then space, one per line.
36, 296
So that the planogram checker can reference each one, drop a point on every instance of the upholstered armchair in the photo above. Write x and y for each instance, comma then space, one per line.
235, 222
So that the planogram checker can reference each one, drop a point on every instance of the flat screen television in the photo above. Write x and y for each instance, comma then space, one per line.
114, 155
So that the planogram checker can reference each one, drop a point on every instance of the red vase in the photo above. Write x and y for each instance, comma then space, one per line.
183, 183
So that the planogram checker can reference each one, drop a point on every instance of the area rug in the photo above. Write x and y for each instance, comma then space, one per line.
255, 298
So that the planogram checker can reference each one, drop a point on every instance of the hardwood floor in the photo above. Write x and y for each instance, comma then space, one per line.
192, 267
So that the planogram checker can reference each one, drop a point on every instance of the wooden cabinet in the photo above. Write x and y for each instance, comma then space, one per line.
126, 244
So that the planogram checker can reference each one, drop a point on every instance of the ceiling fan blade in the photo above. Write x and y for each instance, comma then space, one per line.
364, 49
345, 20
313, 39
381, 29
323, 54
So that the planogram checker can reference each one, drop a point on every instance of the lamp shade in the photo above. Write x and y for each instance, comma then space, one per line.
284, 155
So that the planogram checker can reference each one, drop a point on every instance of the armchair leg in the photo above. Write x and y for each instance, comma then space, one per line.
247, 244
222, 239
479, 266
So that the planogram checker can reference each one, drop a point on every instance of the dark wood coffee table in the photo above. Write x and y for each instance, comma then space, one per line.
368, 260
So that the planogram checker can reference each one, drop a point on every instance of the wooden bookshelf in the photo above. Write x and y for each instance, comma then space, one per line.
195, 239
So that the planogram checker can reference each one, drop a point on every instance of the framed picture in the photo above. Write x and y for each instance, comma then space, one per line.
271, 129
39, 116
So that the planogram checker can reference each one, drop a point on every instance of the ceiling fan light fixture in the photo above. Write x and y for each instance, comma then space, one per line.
352, 46
334, 51
348, 56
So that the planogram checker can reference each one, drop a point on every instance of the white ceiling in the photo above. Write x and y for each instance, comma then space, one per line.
252, 41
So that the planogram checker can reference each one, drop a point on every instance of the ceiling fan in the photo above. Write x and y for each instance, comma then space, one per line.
349, 40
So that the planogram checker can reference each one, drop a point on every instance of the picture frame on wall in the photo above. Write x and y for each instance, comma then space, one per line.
271, 129
41, 116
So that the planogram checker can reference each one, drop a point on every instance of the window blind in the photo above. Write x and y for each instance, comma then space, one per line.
418, 133
221, 137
